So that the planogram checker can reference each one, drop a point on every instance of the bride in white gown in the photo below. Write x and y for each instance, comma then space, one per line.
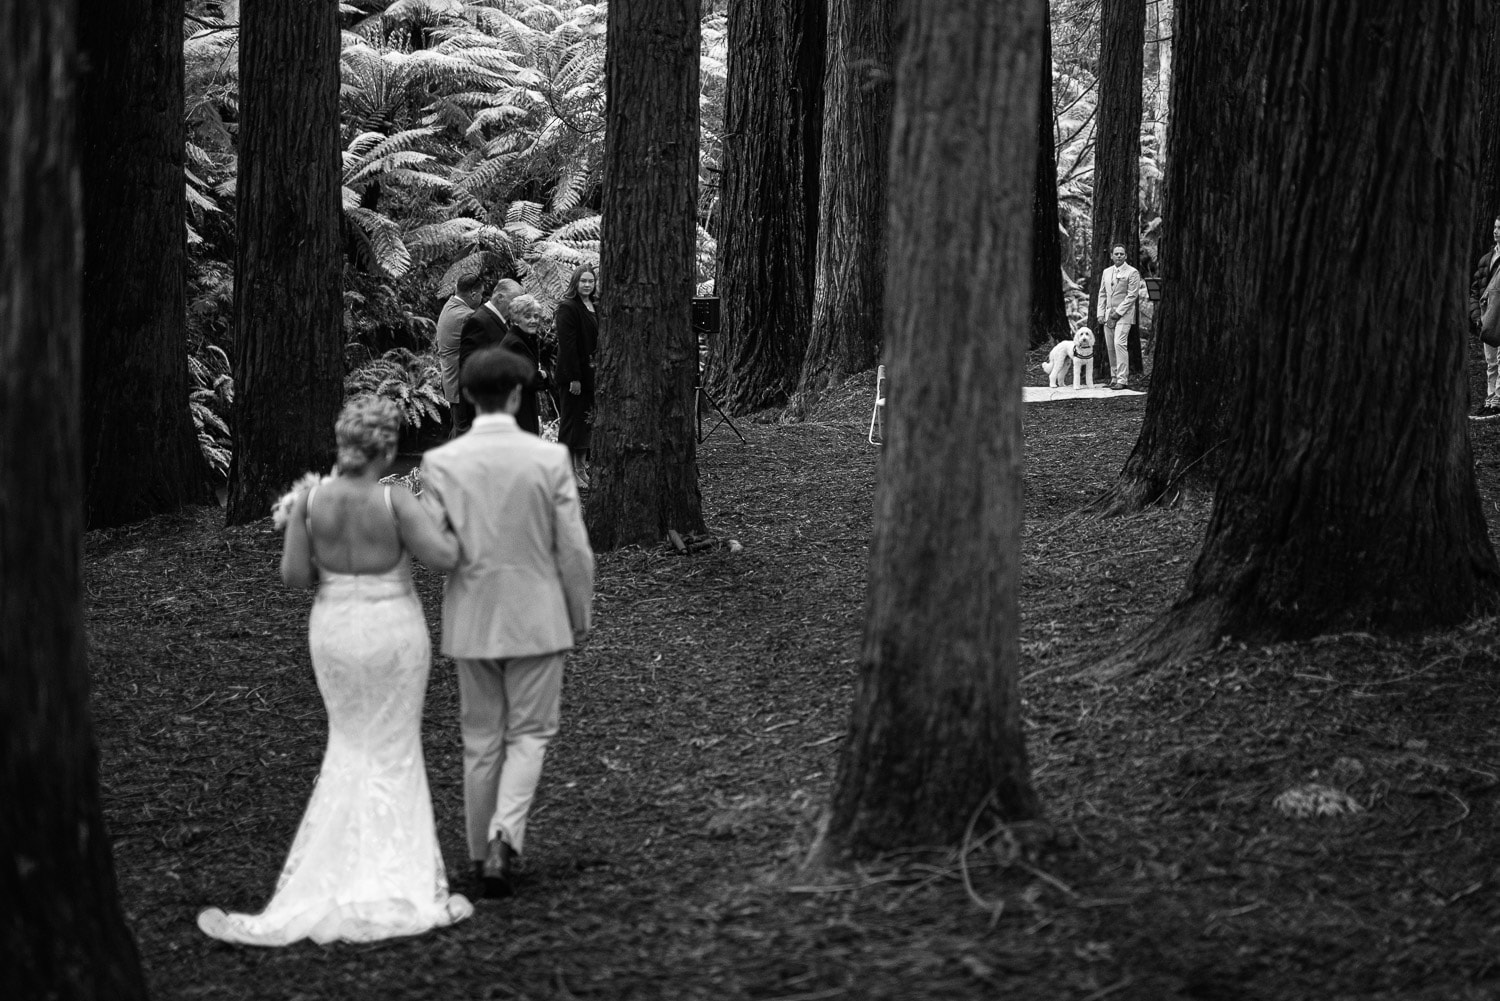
365, 863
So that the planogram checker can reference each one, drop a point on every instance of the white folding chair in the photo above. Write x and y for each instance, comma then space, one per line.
877, 415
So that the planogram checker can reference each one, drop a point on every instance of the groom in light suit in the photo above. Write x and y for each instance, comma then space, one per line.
1120, 291
519, 600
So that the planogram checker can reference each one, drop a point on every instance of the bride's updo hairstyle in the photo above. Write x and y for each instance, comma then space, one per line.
367, 429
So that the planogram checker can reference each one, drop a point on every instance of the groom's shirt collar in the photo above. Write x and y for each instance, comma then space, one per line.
493, 420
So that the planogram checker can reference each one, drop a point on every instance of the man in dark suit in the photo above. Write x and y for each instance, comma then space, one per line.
485, 327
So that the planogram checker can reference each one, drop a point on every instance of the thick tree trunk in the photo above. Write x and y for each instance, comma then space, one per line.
846, 316
140, 453
1049, 314
644, 451
1349, 503
288, 299
936, 731
773, 115
1117, 150
1487, 197
62, 933
1181, 448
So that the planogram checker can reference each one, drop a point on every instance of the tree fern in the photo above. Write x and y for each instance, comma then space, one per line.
412, 381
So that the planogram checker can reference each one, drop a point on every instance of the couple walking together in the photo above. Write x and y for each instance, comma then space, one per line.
499, 513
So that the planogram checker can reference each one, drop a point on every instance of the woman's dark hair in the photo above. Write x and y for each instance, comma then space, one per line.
582, 269
489, 375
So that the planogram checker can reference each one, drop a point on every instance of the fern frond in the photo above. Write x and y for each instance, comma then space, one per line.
395, 161
570, 186
588, 227
383, 237
442, 239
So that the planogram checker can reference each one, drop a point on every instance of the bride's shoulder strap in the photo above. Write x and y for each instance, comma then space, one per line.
307, 508
391, 507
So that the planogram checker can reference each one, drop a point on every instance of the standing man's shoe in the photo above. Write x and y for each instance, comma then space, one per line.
498, 871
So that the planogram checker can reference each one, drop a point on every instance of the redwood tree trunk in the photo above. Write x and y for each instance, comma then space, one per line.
773, 114
1117, 149
62, 933
936, 731
288, 299
644, 451
1349, 503
1049, 315
1181, 447
1487, 198
846, 316
140, 452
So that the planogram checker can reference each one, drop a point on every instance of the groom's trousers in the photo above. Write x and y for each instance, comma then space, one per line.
508, 712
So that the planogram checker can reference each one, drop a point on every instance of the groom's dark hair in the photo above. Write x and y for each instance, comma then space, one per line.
490, 374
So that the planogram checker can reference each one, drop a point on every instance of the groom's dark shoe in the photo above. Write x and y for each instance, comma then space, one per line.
498, 871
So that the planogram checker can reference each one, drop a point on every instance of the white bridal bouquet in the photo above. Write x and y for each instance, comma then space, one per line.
282, 509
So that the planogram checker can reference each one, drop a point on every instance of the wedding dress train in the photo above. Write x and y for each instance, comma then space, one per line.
365, 863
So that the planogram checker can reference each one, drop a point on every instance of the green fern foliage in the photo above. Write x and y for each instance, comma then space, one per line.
413, 381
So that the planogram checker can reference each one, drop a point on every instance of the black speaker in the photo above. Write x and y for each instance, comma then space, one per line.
706, 315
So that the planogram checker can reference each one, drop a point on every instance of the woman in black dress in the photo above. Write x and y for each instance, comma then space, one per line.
577, 337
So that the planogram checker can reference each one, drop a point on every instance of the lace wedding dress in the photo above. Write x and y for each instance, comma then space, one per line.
365, 863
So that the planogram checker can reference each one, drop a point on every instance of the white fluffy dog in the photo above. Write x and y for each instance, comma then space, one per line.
1080, 349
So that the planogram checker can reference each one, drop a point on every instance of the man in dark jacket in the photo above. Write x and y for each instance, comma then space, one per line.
485, 327
1481, 280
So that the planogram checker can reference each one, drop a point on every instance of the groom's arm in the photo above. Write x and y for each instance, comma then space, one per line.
435, 491
571, 553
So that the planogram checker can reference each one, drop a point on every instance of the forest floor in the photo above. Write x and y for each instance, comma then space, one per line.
702, 725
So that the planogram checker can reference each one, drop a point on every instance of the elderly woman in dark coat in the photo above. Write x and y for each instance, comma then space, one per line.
577, 337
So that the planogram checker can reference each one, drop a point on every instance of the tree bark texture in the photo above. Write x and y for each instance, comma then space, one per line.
1049, 314
288, 299
1117, 149
935, 733
773, 120
1349, 503
1487, 199
1181, 448
140, 451
62, 933
644, 450
850, 286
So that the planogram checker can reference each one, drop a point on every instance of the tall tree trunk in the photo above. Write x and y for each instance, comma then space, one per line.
936, 732
61, 929
288, 298
1195, 378
644, 451
1049, 315
1117, 149
846, 316
1487, 197
773, 115
140, 453
1350, 503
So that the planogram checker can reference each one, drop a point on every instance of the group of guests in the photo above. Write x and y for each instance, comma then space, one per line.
511, 319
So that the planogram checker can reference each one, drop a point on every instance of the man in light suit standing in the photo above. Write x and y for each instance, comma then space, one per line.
520, 598
468, 293
1120, 289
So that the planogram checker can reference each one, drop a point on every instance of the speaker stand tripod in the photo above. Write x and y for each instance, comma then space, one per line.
702, 396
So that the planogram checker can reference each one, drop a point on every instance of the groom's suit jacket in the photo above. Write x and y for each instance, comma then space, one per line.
1120, 288
525, 581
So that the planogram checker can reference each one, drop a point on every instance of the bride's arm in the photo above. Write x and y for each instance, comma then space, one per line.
297, 568
430, 541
